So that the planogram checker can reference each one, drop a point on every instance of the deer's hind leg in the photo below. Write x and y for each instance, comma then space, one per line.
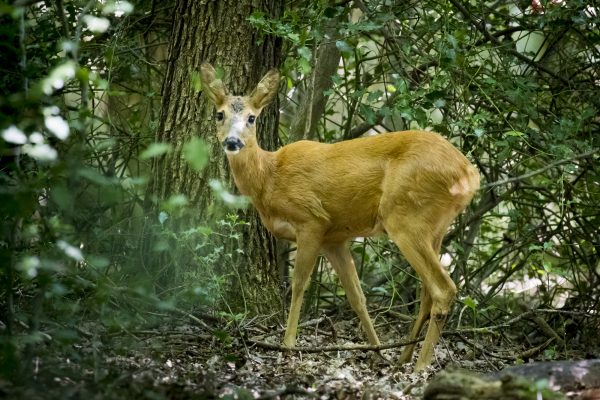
419, 240
424, 311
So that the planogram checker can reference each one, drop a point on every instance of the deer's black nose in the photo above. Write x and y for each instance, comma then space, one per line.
232, 143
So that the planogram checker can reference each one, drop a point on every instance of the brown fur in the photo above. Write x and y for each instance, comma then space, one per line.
410, 185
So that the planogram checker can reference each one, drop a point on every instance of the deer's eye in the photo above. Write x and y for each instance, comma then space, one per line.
219, 116
251, 119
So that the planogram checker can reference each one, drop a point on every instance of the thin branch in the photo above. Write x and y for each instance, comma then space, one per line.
480, 26
540, 170
64, 23
365, 126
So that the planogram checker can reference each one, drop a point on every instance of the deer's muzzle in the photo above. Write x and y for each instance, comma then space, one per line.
232, 144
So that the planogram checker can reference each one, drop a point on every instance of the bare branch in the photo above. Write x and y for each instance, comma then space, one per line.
540, 170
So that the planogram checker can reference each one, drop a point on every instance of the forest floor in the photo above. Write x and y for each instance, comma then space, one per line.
203, 360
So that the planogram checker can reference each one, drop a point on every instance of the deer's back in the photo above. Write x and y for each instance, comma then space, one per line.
344, 183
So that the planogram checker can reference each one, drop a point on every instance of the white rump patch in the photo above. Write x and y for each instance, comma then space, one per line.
461, 187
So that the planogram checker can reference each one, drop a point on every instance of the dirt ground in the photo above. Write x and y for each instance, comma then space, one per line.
204, 360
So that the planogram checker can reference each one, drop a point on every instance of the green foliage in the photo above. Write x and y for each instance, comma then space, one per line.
196, 258
195, 153
76, 123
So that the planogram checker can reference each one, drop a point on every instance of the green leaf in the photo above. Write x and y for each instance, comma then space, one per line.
62, 197
365, 26
293, 37
344, 47
98, 262
304, 66
176, 201
514, 134
305, 53
96, 177
257, 18
154, 150
470, 302
229, 199
374, 96
195, 153
196, 81
162, 217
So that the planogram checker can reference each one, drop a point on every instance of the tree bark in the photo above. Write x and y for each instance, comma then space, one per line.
218, 32
312, 106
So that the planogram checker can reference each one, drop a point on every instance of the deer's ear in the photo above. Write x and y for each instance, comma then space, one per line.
266, 90
212, 86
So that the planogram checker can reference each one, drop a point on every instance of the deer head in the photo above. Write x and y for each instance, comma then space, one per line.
236, 115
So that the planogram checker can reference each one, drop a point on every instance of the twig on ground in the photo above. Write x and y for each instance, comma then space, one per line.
526, 314
319, 349
509, 357
333, 331
288, 390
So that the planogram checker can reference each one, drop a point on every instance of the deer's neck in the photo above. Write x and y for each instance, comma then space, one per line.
251, 169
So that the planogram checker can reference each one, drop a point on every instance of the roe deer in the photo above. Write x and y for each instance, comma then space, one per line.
410, 185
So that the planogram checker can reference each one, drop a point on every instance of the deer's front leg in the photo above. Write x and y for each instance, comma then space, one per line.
306, 255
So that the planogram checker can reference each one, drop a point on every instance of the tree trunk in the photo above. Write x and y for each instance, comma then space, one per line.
312, 105
218, 32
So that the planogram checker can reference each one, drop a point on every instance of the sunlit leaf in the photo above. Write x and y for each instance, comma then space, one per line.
95, 176
470, 302
59, 76
227, 197
154, 150
514, 134
14, 135
57, 126
195, 153
98, 262
305, 53
96, 24
176, 201
162, 217
41, 152
118, 8
70, 250
344, 47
